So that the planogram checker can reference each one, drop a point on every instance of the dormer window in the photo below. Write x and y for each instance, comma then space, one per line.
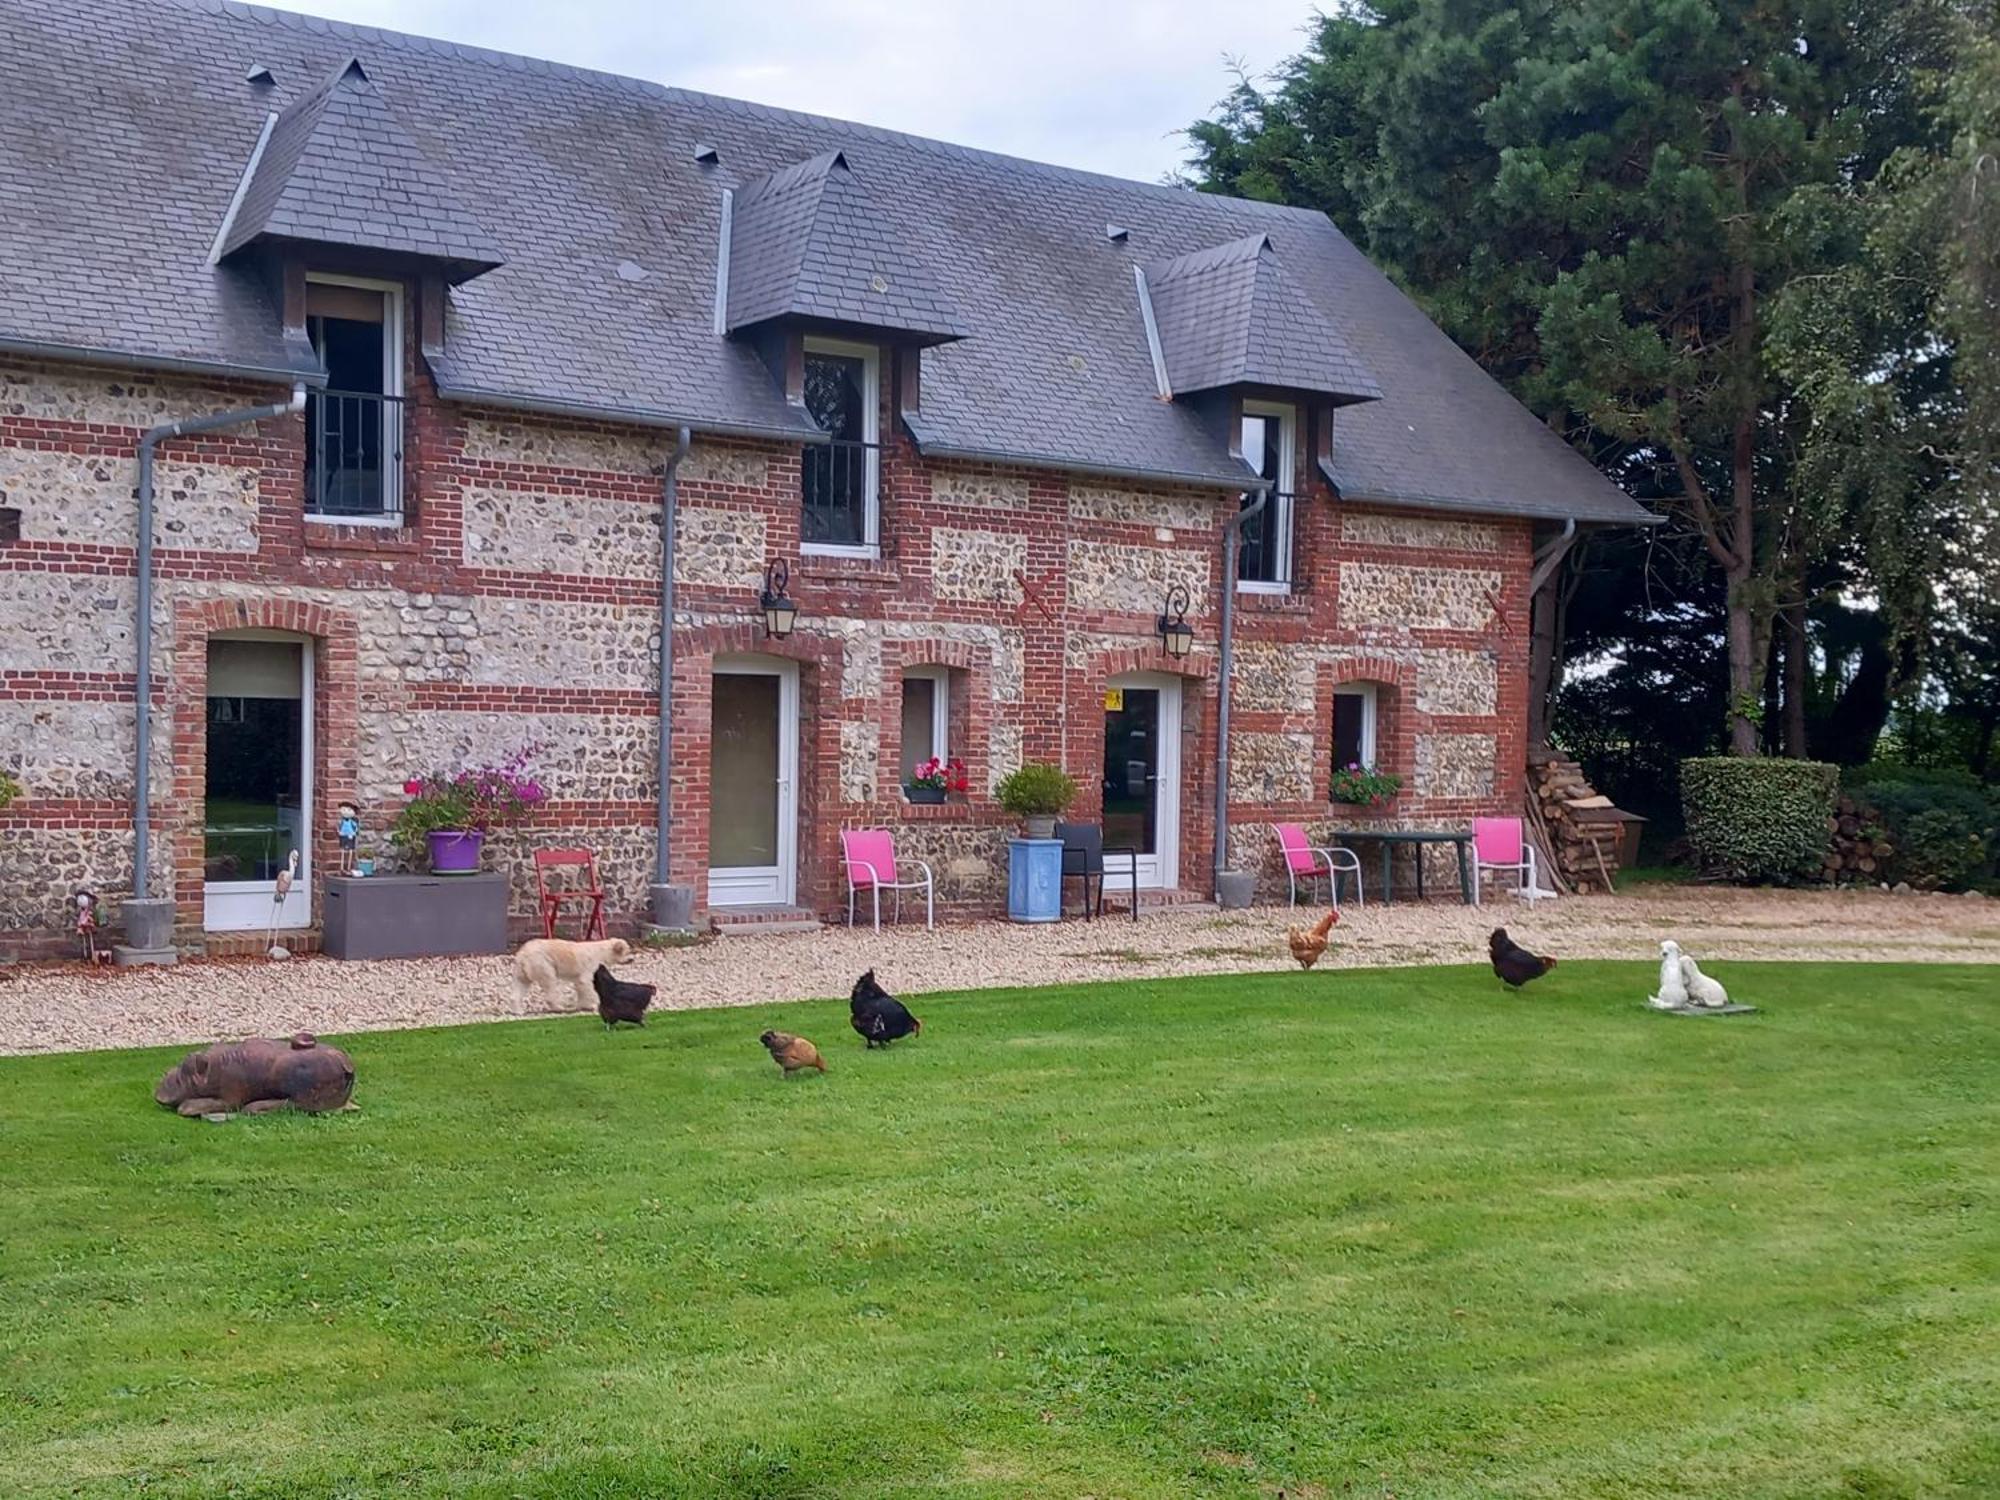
354, 427
840, 481
1269, 438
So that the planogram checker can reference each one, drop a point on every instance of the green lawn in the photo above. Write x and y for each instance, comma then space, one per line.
1346, 1233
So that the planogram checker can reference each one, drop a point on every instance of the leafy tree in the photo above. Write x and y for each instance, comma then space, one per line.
1705, 238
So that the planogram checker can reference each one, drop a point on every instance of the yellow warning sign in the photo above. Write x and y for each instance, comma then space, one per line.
1114, 699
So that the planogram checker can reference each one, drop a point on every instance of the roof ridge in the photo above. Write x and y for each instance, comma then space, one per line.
469, 51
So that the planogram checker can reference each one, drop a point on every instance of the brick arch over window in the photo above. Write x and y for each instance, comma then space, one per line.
334, 637
1396, 726
970, 665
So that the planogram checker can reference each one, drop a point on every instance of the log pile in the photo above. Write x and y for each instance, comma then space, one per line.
1857, 847
1577, 830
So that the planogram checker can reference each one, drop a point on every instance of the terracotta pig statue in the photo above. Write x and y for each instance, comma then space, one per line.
258, 1075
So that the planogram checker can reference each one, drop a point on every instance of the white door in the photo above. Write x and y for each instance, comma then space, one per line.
259, 790
1142, 779
753, 809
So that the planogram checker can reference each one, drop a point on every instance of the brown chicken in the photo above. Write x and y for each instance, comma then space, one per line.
1308, 943
792, 1053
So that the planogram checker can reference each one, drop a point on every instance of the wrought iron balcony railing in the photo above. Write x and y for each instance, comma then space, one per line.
838, 482
354, 456
1267, 543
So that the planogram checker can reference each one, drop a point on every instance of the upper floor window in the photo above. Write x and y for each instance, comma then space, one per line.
840, 480
1269, 432
354, 427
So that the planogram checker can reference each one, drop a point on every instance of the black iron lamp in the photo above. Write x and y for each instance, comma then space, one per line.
780, 612
1176, 635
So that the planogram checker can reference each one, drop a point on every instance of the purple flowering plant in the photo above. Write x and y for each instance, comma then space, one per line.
476, 800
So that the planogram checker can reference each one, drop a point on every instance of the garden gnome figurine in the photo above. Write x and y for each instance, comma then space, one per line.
86, 924
350, 835
280, 890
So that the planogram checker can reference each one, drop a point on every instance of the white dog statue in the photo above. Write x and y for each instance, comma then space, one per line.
1703, 993
1673, 993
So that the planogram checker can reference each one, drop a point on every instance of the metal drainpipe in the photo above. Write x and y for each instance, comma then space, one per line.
669, 530
1232, 541
142, 826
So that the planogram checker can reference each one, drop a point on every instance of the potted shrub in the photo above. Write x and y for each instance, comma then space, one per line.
1363, 786
10, 788
1037, 795
933, 778
448, 816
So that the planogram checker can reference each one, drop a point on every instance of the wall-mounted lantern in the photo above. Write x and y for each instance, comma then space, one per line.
1176, 635
780, 612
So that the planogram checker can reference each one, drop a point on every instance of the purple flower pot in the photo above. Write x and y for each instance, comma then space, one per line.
454, 851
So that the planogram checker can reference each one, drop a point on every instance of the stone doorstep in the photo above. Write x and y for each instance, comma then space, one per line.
1157, 900
296, 941
761, 921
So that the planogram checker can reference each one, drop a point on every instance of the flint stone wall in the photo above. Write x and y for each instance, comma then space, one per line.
982, 491
977, 565
1425, 533
93, 499
1270, 767
1417, 598
495, 440
1455, 765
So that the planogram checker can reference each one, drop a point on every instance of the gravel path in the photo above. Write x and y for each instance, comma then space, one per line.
63, 1008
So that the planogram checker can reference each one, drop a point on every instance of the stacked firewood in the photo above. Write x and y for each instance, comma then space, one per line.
1580, 831
1857, 846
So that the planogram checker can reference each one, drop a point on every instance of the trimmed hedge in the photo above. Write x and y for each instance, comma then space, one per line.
1944, 825
1758, 820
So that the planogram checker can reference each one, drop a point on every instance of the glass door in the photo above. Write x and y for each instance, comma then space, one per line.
752, 806
258, 787
1142, 777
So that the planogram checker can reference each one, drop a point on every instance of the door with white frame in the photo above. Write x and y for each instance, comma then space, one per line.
1142, 778
753, 805
258, 789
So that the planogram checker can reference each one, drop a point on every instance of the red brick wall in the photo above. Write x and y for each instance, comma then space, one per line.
1029, 659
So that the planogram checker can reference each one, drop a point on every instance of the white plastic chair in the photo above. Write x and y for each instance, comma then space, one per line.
1303, 859
870, 857
1501, 845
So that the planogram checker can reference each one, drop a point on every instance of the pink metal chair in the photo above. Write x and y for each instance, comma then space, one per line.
1501, 845
870, 857
1303, 861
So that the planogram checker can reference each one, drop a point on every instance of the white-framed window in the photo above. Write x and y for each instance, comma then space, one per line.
1269, 437
354, 427
1354, 713
840, 481
926, 718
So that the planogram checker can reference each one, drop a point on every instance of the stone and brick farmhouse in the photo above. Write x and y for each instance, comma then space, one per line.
994, 418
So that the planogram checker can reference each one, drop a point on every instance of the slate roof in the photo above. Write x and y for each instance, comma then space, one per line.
807, 242
126, 125
337, 169
1229, 316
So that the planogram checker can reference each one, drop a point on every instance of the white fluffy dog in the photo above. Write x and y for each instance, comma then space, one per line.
1702, 992
1673, 993
545, 965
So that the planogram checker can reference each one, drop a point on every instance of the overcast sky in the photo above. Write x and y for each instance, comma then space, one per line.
1102, 84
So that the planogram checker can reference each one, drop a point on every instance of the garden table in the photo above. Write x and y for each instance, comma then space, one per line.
1388, 838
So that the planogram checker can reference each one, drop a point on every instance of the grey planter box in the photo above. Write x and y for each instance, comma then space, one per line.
415, 916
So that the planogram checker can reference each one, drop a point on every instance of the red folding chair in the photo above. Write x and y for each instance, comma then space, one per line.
556, 895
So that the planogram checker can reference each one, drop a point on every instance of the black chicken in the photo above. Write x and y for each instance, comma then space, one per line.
878, 1016
1513, 963
620, 999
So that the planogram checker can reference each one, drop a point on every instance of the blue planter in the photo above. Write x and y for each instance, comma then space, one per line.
1034, 880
